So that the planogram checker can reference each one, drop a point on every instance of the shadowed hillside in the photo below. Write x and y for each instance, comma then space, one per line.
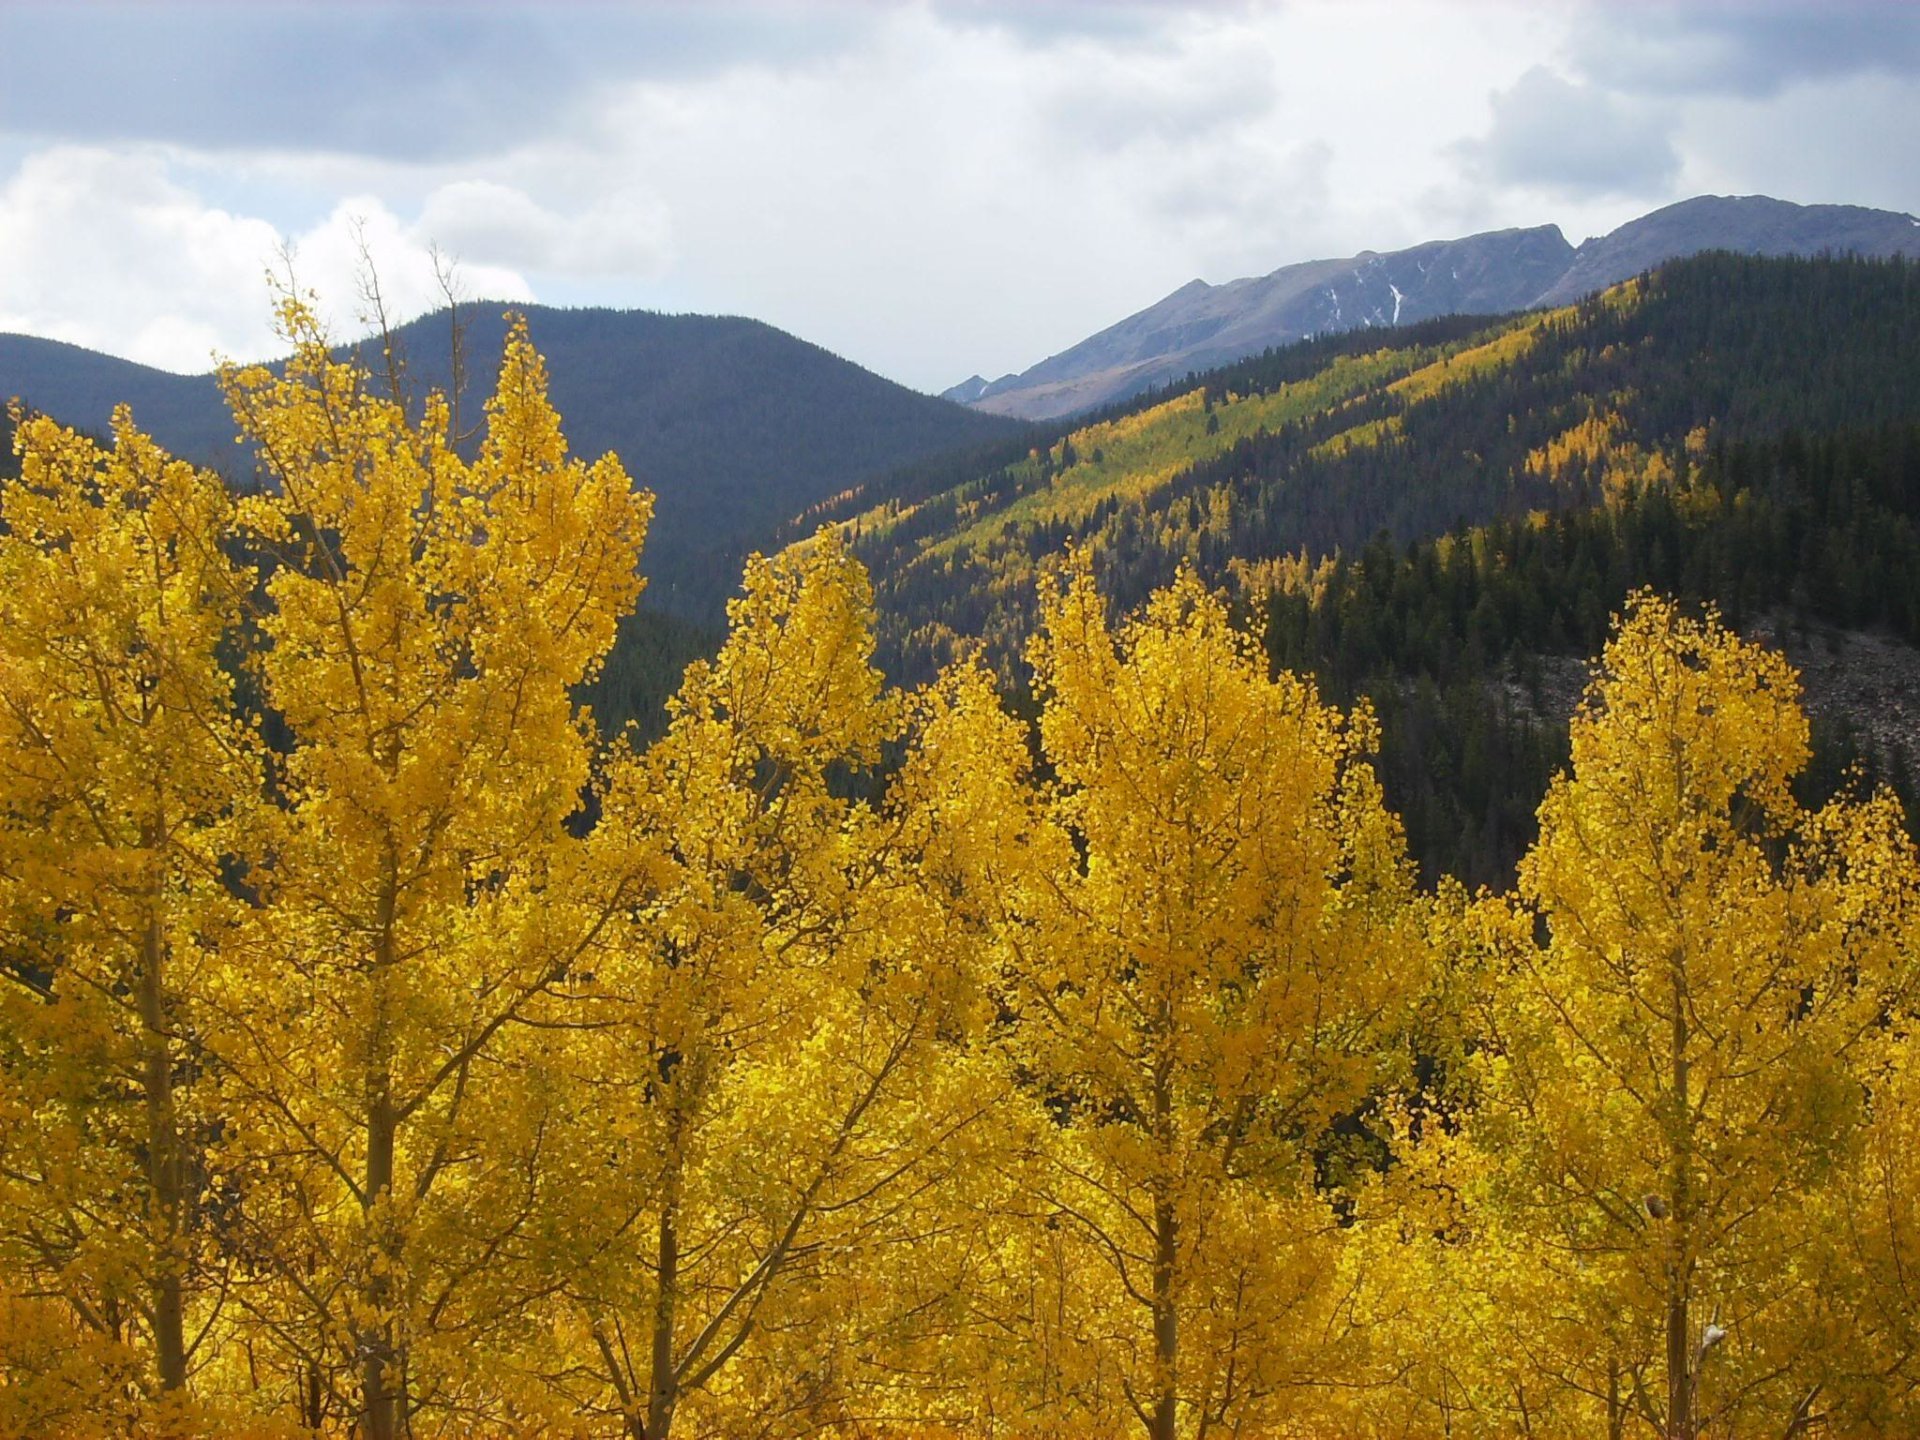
735, 425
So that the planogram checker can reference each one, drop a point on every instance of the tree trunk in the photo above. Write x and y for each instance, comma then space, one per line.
1166, 1255
1680, 1377
379, 1357
312, 1411
166, 1178
662, 1391
1166, 1321
380, 1360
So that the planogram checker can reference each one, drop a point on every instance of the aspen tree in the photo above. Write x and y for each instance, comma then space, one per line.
774, 1039
1670, 1081
427, 618
124, 773
1868, 1278
1201, 969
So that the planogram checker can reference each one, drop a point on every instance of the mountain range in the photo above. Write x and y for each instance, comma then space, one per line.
740, 428
1433, 517
734, 425
1200, 326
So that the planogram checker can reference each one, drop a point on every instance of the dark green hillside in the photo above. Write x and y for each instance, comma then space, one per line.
1315, 451
650, 654
1470, 646
734, 424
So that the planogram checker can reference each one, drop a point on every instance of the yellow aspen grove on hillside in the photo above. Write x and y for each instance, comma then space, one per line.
1674, 1078
775, 1043
420, 893
1203, 974
123, 774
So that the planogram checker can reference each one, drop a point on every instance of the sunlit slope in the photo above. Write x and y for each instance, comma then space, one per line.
1131, 457
1249, 468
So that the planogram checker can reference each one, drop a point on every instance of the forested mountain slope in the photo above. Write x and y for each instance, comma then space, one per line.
1263, 468
735, 425
1471, 646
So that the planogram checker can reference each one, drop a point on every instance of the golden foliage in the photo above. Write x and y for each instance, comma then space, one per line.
1595, 447
381, 1053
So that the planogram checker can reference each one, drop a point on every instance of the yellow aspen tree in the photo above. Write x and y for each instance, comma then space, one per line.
774, 1040
1869, 1222
124, 772
1668, 1081
1201, 981
1464, 1330
427, 620
1875, 1228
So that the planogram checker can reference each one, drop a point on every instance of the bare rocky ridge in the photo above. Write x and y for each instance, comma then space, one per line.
1868, 682
1750, 224
1202, 325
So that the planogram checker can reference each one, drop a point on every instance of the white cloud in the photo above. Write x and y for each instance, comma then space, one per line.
1569, 138
485, 222
932, 187
104, 248
331, 259
100, 248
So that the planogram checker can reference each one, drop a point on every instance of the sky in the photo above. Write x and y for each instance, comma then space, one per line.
930, 188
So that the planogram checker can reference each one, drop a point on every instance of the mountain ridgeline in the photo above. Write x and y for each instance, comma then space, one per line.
1202, 325
733, 424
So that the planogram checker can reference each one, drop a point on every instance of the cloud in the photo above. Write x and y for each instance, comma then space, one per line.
928, 187
488, 223
1050, 21
99, 248
1852, 141
1755, 49
419, 82
1567, 138
105, 249
1179, 94
1240, 216
331, 261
